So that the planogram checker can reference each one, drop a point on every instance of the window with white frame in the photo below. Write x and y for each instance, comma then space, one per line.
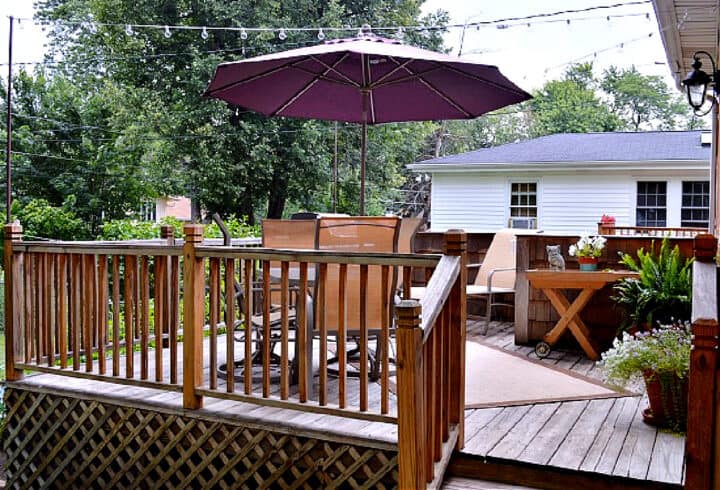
651, 207
523, 204
695, 210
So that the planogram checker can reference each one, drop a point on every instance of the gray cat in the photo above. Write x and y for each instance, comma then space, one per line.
555, 258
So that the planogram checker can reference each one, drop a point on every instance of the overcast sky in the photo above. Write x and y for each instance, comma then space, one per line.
528, 54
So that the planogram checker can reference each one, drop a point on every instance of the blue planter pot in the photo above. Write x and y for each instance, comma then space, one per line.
588, 266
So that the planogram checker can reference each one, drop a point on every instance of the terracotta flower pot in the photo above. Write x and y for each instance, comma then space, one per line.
588, 263
668, 397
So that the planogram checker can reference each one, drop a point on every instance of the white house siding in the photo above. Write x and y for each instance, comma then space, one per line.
574, 203
569, 202
468, 201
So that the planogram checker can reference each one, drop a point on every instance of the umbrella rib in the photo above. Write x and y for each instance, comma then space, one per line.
399, 66
309, 85
247, 80
332, 68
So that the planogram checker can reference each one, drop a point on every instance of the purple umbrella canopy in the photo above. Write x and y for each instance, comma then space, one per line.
367, 80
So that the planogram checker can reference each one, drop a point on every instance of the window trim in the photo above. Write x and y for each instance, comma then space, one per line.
508, 197
705, 224
637, 207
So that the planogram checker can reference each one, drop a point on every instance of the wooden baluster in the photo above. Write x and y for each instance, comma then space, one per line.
194, 317
28, 306
129, 316
102, 311
39, 310
116, 314
407, 281
266, 329
174, 317
160, 305
443, 367
341, 336
247, 320
230, 323
144, 316
322, 329
88, 272
433, 390
364, 358
15, 339
214, 317
284, 330
62, 309
248, 266
384, 341
456, 245
76, 307
411, 414
305, 381
47, 309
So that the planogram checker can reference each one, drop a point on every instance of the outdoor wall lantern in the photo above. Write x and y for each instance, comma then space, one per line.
697, 82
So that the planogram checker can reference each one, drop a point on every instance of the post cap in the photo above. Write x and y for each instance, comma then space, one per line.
455, 242
13, 231
704, 247
193, 233
167, 231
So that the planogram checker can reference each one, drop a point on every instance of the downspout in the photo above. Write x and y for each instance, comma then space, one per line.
714, 172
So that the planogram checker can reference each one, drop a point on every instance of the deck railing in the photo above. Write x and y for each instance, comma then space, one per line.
653, 231
165, 316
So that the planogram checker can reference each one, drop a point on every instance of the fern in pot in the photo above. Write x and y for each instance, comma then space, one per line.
662, 292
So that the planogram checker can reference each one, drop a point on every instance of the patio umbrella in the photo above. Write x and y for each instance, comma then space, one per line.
367, 80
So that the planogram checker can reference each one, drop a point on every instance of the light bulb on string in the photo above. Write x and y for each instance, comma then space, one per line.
282, 35
321, 35
400, 33
243, 34
204, 34
167, 33
129, 30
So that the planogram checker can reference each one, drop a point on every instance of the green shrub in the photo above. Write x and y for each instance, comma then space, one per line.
40, 219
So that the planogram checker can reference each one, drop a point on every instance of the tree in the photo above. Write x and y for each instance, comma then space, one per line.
642, 101
571, 105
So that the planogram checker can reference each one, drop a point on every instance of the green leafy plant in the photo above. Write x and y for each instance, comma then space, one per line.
662, 292
238, 228
42, 220
665, 349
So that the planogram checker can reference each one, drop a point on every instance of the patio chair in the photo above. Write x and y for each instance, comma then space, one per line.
358, 234
406, 237
496, 274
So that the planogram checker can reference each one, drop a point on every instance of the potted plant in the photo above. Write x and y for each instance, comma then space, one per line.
662, 358
662, 292
587, 250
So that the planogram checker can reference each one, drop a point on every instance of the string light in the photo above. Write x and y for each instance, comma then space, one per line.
321, 35
243, 34
167, 33
129, 30
282, 35
400, 33
204, 34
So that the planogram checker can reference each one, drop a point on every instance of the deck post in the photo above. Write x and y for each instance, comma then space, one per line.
167, 233
703, 438
13, 311
193, 316
456, 245
411, 399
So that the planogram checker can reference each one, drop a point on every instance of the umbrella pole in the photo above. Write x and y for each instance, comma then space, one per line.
363, 151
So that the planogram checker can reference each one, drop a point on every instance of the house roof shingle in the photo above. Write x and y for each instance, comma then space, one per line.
590, 147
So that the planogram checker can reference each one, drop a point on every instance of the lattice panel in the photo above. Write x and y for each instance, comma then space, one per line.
63, 442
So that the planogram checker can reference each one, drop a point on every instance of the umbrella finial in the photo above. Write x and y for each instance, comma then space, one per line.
365, 31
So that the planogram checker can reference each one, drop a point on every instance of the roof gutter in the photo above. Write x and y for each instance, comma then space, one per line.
558, 166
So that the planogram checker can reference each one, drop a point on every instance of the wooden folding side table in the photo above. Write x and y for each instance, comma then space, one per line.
552, 283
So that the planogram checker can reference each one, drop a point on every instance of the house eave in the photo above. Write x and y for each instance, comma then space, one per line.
594, 166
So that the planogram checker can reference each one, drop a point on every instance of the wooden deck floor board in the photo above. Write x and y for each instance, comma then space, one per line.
572, 451
518, 438
619, 433
668, 453
542, 447
634, 458
487, 437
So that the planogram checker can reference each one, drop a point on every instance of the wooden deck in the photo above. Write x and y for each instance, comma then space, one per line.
606, 437
596, 437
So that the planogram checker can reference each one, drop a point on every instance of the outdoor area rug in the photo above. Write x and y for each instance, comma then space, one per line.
495, 377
